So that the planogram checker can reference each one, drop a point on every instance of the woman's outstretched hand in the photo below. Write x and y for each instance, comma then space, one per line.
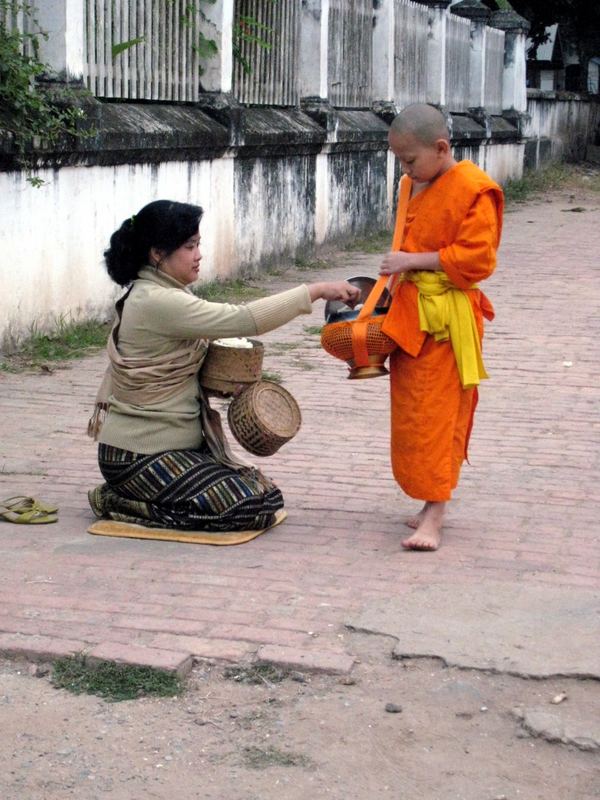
335, 290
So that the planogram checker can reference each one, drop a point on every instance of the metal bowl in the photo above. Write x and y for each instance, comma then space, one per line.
337, 311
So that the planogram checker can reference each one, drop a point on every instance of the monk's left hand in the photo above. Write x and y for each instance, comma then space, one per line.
396, 262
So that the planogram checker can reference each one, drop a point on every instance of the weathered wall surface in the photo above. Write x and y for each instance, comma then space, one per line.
559, 126
52, 253
275, 207
291, 182
274, 185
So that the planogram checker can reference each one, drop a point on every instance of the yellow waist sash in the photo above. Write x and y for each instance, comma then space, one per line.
446, 313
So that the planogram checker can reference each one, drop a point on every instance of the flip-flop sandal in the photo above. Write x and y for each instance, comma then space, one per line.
21, 504
32, 517
24, 510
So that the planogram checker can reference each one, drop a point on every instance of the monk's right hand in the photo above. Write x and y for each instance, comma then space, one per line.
335, 290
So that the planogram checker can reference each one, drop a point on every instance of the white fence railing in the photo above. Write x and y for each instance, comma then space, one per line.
350, 53
165, 65
14, 18
458, 42
410, 53
266, 72
494, 67
164, 61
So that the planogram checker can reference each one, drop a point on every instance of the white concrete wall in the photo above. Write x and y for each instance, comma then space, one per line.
565, 122
503, 161
547, 80
273, 200
256, 211
322, 199
52, 238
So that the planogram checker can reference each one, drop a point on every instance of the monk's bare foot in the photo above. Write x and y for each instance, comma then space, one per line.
417, 519
428, 534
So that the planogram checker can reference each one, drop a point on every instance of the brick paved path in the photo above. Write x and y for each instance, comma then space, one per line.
526, 509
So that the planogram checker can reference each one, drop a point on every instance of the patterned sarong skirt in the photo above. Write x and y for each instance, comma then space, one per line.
182, 489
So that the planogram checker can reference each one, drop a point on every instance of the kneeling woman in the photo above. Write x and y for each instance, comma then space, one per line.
161, 449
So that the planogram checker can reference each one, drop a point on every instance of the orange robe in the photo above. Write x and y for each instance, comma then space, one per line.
459, 216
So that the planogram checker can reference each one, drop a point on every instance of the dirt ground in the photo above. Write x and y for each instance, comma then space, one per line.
447, 735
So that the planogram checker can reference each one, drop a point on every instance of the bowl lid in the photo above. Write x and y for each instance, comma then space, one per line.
365, 284
352, 313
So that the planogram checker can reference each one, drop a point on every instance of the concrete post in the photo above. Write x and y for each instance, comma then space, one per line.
63, 21
436, 51
384, 26
314, 49
514, 85
478, 14
218, 26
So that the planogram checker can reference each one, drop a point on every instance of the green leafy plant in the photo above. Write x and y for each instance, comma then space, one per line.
121, 47
249, 30
204, 47
32, 112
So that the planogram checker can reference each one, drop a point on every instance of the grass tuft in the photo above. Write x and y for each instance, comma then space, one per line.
274, 377
558, 176
113, 682
264, 757
550, 178
284, 347
307, 264
376, 242
235, 290
304, 365
256, 674
313, 330
68, 340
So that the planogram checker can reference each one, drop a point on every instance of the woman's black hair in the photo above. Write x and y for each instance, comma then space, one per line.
163, 224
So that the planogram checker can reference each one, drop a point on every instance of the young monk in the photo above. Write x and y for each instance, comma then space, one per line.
452, 231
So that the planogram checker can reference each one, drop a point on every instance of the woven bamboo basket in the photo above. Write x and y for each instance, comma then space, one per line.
337, 338
225, 369
263, 418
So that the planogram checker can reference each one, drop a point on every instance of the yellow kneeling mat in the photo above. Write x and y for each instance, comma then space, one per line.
127, 530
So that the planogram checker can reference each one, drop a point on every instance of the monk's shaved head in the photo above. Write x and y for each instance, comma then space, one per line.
422, 121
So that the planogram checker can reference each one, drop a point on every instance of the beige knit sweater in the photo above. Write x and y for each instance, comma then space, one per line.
159, 317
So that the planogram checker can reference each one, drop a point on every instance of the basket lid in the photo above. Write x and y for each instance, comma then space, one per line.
276, 408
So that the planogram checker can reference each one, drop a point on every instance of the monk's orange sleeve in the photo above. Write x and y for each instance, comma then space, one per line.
472, 256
